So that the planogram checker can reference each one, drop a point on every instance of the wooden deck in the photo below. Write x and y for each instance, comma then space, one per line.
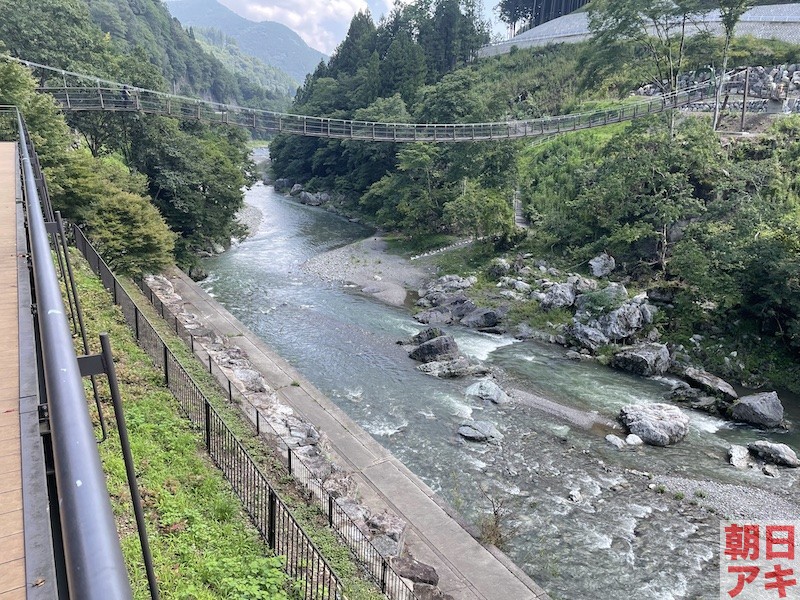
12, 552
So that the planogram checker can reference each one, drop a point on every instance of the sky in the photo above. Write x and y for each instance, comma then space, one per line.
323, 23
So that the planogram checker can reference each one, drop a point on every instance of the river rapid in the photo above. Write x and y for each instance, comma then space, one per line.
626, 532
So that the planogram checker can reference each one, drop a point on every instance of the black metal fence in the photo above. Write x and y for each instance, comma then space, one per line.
374, 563
303, 561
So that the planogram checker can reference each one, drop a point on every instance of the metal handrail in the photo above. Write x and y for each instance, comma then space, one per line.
93, 557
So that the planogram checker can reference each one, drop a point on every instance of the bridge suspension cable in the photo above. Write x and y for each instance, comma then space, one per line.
112, 96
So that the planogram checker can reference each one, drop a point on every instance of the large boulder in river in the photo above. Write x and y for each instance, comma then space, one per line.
779, 454
710, 383
486, 389
482, 318
441, 348
656, 424
281, 185
450, 369
480, 431
559, 295
764, 410
439, 315
602, 265
427, 335
643, 359
296, 189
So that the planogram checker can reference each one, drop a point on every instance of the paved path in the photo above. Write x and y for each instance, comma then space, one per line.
467, 569
12, 547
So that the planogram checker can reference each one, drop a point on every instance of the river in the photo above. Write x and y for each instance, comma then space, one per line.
627, 535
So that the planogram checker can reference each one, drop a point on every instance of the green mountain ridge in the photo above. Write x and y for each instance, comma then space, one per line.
273, 43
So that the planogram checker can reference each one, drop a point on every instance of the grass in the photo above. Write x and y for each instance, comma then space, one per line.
202, 542
309, 516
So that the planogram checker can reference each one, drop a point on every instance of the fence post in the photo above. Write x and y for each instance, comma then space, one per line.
136, 320
384, 568
166, 365
230, 391
191, 341
330, 511
208, 426
258, 423
209, 364
271, 519
289, 459
176, 324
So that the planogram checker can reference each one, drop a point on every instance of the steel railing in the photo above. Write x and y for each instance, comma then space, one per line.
268, 512
93, 559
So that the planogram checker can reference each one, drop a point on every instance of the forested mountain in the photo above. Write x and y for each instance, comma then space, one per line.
272, 43
227, 50
141, 185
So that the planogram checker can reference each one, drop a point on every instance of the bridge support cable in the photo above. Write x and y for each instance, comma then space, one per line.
94, 565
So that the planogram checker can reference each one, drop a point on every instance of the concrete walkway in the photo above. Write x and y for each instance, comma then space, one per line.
467, 570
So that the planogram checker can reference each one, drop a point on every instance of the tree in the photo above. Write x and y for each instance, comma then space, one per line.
657, 27
480, 211
730, 12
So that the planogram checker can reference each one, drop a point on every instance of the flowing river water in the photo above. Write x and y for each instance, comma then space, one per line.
626, 535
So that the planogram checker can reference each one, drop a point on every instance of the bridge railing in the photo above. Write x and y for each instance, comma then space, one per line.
94, 565
284, 535
132, 100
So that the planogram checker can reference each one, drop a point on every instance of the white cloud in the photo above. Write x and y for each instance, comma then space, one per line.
321, 23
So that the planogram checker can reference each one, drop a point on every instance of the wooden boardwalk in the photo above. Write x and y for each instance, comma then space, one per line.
12, 552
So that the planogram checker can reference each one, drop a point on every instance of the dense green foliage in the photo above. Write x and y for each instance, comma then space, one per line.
193, 174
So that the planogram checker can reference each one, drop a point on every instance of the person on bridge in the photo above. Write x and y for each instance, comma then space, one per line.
126, 96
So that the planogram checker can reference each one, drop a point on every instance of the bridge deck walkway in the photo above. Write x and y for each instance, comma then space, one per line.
12, 547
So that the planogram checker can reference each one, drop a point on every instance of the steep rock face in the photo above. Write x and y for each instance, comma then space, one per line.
764, 409
656, 424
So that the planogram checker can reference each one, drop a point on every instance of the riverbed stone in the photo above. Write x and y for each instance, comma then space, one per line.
710, 383
482, 318
633, 440
615, 441
480, 431
486, 389
450, 369
643, 359
657, 424
427, 335
441, 348
296, 189
779, 454
764, 409
739, 457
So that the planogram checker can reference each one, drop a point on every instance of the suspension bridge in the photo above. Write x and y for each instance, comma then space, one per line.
95, 94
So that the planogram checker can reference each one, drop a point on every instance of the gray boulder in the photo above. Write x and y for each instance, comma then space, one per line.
739, 457
498, 268
623, 322
602, 265
450, 369
415, 570
587, 336
281, 185
656, 424
480, 431
481, 318
615, 441
779, 454
443, 347
439, 315
486, 389
296, 189
306, 198
559, 295
764, 410
643, 359
710, 383
426, 335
